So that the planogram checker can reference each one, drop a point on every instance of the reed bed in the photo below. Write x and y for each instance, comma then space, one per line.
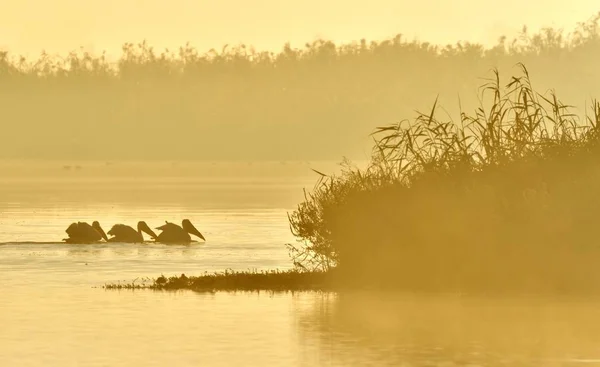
505, 198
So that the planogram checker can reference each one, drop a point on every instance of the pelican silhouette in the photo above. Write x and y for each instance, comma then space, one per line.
82, 232
126, 234
172, 233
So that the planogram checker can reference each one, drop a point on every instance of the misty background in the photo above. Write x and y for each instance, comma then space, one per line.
274, 89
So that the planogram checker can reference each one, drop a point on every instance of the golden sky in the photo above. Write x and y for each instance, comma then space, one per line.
28, 26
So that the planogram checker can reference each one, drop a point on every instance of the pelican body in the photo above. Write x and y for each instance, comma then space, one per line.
82, 232
126, 234
172, 233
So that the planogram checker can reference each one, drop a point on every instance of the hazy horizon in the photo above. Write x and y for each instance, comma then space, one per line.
318, 102
66, 25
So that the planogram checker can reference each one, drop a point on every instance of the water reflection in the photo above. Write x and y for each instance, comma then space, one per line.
452, 330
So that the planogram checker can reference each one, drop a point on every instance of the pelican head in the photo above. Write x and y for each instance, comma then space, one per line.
189, 228
143, 227
71, 229
96, 226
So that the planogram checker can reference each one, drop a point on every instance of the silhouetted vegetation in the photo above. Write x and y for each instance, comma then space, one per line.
506, 198
239, 103
274, 280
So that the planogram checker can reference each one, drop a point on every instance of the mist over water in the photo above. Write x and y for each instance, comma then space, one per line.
53, 311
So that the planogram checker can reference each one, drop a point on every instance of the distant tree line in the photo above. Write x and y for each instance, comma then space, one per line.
317, 102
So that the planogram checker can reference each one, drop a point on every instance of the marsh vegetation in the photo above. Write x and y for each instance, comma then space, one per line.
312, 103
504, 199
230, 280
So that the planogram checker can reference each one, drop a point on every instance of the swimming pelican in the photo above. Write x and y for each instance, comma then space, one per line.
82, 232
126, 234
172, 233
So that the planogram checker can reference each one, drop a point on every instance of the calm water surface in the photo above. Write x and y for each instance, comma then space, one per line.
53, 311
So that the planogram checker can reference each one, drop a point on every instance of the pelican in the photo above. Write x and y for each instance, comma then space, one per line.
126, 234
172, 233
82, 232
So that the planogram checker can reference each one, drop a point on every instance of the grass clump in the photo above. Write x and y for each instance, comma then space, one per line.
507, 198
229, 280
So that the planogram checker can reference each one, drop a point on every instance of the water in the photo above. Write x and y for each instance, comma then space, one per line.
53, 311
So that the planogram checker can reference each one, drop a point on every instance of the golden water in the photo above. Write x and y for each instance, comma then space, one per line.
53, 311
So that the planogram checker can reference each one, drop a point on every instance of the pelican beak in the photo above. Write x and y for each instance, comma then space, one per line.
97, 227
197, 233
142, 226
189, 227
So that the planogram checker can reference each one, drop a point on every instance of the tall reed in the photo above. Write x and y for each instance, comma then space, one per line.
504, 198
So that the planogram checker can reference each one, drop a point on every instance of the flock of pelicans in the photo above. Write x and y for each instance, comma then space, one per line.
82, 232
